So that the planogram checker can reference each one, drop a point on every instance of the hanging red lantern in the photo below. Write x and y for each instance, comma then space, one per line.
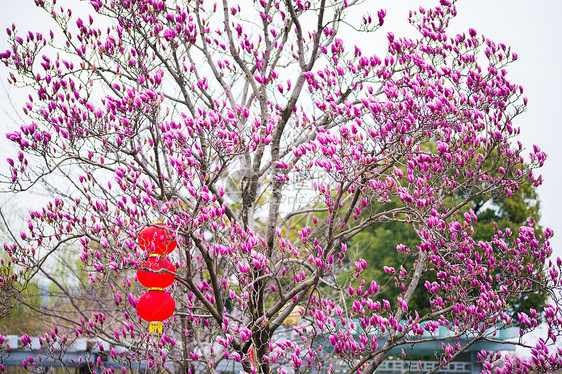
156, 240
155, 306
156, 272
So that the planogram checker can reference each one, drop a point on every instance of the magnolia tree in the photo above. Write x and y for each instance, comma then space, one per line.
265, 143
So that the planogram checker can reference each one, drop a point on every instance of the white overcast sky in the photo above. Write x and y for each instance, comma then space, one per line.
532, 28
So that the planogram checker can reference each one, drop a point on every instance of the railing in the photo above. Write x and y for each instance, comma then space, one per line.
399, 367
82, 352
93, 351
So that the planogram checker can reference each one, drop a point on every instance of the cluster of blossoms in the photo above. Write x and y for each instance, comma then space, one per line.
191, 115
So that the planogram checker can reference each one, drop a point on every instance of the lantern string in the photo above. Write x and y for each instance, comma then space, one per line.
152, 240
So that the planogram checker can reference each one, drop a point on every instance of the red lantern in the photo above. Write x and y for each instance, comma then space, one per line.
155, 239
155, 306
157, 273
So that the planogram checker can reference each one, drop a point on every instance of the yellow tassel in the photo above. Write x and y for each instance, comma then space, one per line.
155, 327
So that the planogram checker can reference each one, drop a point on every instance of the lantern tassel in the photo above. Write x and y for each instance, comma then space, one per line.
155, 327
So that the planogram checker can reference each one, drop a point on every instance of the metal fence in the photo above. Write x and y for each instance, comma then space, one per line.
85, 350
401, 367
